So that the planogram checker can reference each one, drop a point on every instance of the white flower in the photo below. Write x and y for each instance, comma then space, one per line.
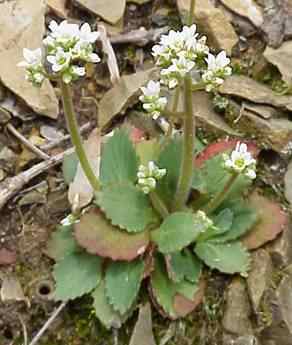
32, 58
152, 102
152, 89
60, 61
176, 71
64, 30
218, 62
189, 36
241, 161
86, 35
78, 71
148, 175
217, 70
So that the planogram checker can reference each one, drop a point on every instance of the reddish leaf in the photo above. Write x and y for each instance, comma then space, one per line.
7, 257
98, 236
220, 147
183, 306
272, 221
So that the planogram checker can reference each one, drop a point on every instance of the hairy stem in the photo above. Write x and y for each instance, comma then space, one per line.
75, 135
158, 204
191, 12
186, 169
220, 197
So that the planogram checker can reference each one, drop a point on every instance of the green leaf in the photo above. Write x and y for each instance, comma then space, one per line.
127, 207
177, 231
216, 176
95, 233
184, 265
61, 243
147, 150
165, 290
69, 167
103, 310
199, 182
170, 159
227, 258
119, 162
123, 280
76, 275
244, 218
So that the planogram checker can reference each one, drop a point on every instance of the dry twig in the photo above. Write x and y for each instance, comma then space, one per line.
12, 185
48, 323
26, 142
111, 56
140, 37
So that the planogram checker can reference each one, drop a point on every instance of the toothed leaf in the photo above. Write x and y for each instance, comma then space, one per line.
169, 159
103, 310
76, 275
272, 220
123, 280
177, 231
244, 218
183, 265
119, 161
227, 258
127, 207
61, 243
164, 291
98, 236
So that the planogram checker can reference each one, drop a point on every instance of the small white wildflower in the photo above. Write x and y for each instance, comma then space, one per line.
60, 61
148, 176
152, 102
86, 35
64, 31
241, 161
217, 70
32, 58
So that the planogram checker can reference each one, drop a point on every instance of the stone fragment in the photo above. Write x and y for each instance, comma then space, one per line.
109, 10
22, 26
229, 339
281, 249
249, 89
259, 276
282, 59
246, 8
288, 183
275, 133
212, 22
58, 7
7, 257
264, 111
236, 319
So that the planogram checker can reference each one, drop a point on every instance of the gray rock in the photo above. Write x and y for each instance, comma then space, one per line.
259, 276
281, 249
236, 319
249, 89
275, 133
279, 332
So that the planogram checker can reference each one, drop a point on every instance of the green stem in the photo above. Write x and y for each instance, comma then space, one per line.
186, 169
220, 197
191, 12
75, 135
158, 204
172, 114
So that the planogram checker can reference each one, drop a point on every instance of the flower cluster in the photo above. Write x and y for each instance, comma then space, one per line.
66, 47
177, 54
204, 219
241, 161
152, 102
33, 65
148, 175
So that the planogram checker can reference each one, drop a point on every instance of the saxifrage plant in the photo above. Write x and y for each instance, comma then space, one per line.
157, 216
